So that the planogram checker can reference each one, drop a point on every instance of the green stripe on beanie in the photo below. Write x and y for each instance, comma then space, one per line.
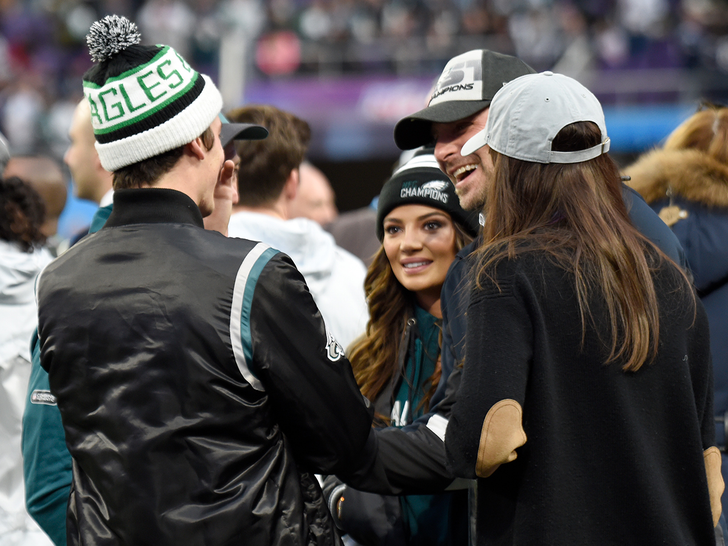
145, 100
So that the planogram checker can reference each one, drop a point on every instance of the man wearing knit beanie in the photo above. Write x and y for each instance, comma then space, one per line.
198, 386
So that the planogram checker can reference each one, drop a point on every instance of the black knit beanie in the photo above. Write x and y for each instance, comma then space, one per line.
145, 99
420, 181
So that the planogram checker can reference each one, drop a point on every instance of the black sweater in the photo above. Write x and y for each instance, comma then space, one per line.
610, 457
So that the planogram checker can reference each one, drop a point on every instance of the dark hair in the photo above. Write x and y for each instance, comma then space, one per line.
22, 213
148, 171
265, 165
576, 214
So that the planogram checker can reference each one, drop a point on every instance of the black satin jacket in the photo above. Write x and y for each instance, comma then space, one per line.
198, 386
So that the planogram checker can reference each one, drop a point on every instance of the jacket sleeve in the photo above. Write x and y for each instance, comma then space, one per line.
485, 426
454, 299
306, 374
46, 460
701, 375
651, 226
411, 460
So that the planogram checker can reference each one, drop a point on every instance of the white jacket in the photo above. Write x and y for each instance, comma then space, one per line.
18, 319
334, 276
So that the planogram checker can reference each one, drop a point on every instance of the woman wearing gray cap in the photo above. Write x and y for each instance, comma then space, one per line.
585, 409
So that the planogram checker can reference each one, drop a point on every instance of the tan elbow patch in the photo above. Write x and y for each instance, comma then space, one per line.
501, 434
713, 461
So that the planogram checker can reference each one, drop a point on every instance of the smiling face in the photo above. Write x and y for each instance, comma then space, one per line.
470, 174
420, 244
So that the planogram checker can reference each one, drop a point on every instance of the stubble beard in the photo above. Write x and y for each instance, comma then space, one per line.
474, 199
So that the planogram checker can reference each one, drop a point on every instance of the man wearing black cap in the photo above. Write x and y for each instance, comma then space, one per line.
197, 386
458, 109
412, 459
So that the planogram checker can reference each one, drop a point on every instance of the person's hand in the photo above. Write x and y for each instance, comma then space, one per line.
225, 196
368, 518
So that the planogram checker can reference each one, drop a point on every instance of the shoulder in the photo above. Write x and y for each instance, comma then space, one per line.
530, 270
671, 286
352, 264
460, 266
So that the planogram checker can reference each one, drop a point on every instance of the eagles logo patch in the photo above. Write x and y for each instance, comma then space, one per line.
436, 185
334, 350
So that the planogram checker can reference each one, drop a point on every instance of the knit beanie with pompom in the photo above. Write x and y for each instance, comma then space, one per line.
145, 100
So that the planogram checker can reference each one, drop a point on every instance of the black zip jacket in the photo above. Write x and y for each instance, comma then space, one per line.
198, 386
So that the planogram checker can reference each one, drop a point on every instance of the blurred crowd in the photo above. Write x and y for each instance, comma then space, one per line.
43, 54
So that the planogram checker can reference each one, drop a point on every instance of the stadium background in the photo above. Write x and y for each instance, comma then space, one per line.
352, 68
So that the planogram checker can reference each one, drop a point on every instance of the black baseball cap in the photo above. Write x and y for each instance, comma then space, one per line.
465, 87
240, 131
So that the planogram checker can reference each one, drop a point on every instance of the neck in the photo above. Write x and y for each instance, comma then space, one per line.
102, 189
430, 301
183, 180
278, 209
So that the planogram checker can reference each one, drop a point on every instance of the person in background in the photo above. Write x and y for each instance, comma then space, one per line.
315, 198
686, 182
268, 182
201, 361
354, 230
568, 293
91, 180
22, 257
44, 174
420, 226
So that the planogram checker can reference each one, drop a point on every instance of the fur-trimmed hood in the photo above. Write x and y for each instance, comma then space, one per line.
692, 174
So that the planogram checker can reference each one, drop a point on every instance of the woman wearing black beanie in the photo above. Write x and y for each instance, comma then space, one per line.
397, 362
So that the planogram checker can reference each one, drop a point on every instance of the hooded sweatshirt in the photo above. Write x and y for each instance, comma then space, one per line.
18, 319
334, 276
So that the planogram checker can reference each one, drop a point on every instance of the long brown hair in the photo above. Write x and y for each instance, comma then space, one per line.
374, 356
576, 214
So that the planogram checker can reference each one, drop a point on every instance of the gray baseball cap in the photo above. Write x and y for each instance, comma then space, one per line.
527, 113
466, 86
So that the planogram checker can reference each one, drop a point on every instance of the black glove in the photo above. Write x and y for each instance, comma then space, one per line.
368, 518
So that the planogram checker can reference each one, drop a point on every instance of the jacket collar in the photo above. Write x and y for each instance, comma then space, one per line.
153, 206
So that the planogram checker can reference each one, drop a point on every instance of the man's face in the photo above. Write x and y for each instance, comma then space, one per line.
215, 159
81, 156
315, 198
472, 174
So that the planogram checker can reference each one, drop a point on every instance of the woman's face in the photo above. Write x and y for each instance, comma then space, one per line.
419, 242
